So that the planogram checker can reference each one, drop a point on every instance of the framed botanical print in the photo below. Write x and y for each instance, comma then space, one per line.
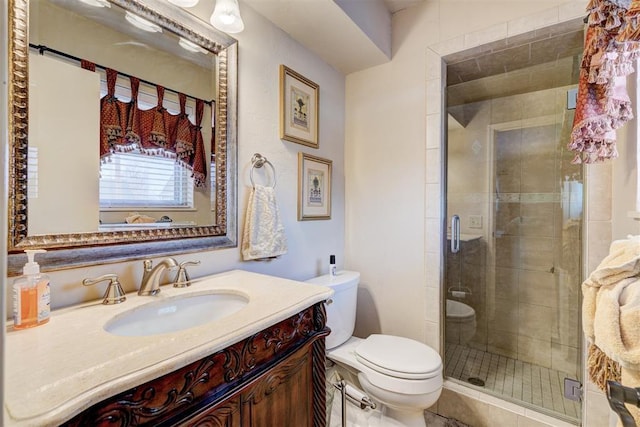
299, 100
314, 187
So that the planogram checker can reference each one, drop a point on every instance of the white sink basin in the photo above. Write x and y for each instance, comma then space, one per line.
175, 314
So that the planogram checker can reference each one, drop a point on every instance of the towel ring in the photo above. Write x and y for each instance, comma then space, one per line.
257, 161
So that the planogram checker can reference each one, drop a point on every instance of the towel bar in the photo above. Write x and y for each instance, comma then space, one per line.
618, 395
257, 161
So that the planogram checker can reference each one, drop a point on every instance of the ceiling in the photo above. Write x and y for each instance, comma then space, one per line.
353, 35
350, 35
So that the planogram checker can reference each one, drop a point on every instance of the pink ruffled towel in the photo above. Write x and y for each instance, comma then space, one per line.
603, 104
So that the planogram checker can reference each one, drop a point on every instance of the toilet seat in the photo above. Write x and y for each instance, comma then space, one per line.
399, 357
346, 354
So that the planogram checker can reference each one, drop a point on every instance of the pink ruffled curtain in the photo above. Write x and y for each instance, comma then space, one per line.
603, 105
198, 159
125, 127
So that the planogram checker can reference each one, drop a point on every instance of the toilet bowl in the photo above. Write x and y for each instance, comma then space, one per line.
460, 322
401, 374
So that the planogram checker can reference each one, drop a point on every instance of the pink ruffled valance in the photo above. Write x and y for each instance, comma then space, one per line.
125, 127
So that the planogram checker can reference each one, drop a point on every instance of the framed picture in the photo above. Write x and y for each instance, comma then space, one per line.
298, 108
314, 187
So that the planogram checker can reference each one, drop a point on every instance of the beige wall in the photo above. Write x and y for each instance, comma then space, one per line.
393, 158
393, 139
66, 192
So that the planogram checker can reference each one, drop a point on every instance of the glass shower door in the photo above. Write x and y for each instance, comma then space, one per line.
513, 287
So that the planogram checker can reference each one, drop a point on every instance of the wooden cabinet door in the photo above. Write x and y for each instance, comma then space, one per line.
282, 396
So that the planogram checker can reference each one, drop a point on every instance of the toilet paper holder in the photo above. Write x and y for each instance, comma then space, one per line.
459, 291
354, 396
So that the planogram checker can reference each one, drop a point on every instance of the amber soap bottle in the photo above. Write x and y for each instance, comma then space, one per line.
31, 295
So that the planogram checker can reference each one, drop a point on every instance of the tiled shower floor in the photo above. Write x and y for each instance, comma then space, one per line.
511, 378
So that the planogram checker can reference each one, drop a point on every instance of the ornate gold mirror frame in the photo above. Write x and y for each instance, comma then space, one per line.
74, 250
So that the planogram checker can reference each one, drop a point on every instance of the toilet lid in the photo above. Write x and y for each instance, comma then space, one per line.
399, 357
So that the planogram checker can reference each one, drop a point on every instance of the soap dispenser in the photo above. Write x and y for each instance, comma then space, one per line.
332, 266
31, 295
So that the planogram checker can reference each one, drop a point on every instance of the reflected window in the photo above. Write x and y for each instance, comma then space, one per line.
141, 181
137, 180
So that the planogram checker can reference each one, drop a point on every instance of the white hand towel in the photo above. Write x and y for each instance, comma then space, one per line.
263, 235
611, 312
623, 262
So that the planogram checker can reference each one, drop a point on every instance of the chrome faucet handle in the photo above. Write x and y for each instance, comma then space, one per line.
114, 293
182, 278
150, 284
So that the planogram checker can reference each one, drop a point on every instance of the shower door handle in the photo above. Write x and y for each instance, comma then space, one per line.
455, 234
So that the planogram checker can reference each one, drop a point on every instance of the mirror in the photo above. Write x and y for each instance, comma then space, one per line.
57, 167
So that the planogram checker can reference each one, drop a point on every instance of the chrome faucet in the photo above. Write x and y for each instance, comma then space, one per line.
150, 284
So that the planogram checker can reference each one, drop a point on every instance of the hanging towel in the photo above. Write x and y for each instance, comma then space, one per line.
263, 235
611, 312
603, 104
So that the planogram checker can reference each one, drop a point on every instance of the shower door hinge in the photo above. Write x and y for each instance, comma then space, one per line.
572, 389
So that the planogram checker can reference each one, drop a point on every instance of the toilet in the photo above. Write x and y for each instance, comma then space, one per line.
460, 324
403, 375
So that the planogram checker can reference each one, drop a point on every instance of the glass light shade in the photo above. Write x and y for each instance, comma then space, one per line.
142, 23
191, 47
184, 3
226, 16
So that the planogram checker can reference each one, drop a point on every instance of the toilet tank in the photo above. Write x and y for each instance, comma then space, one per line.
341, 313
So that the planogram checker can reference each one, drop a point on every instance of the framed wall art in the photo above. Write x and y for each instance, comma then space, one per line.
299, 100
314, 187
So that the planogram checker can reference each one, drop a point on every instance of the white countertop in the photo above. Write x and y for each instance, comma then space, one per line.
56, 370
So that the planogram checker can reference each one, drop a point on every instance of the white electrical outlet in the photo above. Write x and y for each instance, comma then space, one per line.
475, 221
572, 99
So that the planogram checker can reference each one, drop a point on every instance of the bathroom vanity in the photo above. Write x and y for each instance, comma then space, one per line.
262, 365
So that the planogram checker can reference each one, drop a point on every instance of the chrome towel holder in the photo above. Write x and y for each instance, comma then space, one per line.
258, 161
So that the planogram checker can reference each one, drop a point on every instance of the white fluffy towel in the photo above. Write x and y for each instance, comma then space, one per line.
263, 235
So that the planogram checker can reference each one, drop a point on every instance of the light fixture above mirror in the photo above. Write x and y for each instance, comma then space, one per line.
226, 16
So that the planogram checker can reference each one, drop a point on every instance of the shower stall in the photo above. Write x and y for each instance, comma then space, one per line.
514, 209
